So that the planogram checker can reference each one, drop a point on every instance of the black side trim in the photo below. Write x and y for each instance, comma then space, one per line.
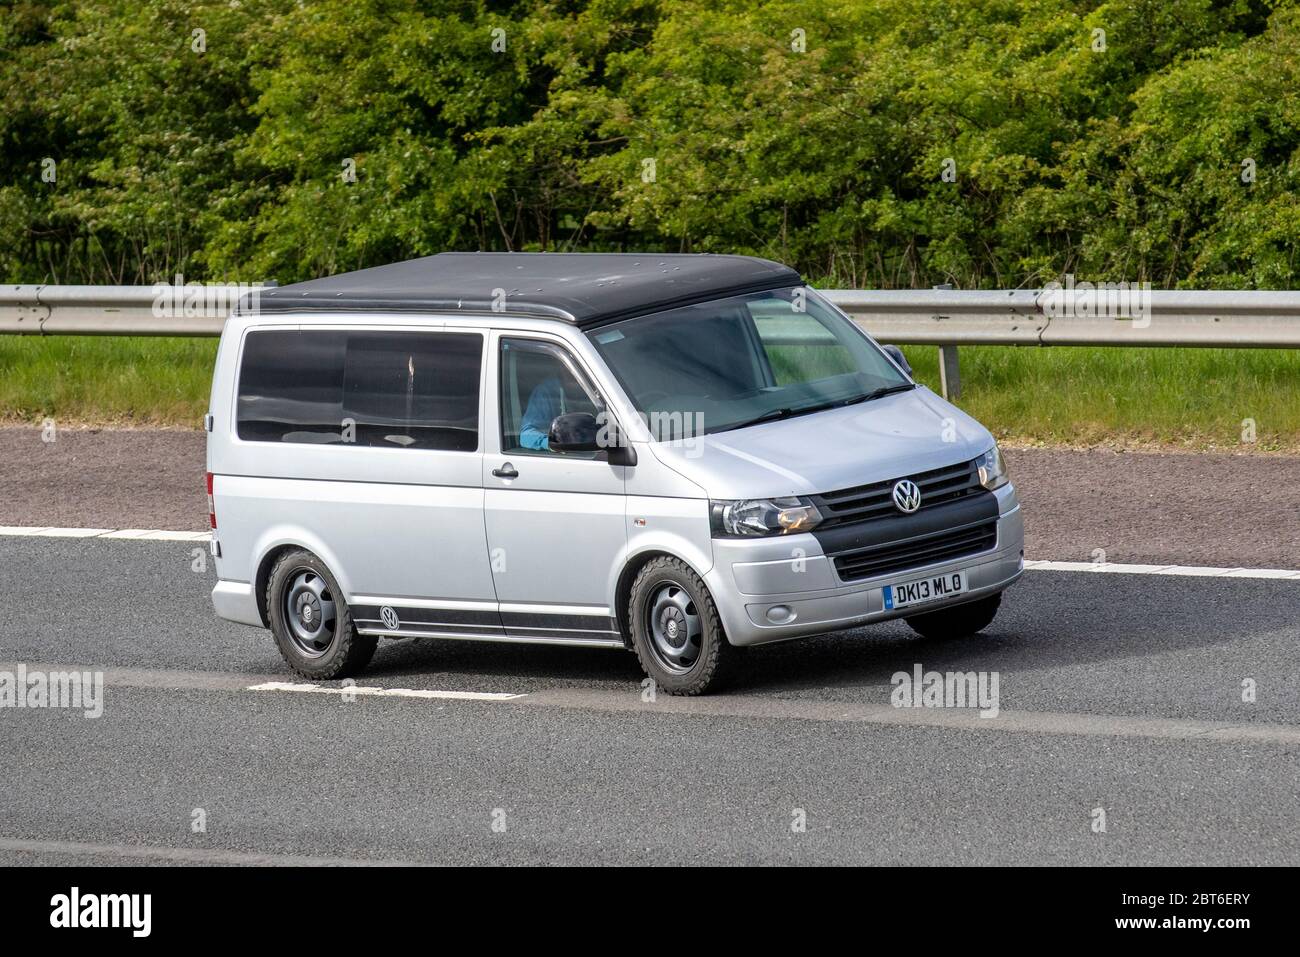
490, 624
547, 620
566, 634
424, 616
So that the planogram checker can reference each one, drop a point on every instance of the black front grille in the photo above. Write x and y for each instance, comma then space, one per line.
929, 549
865, 503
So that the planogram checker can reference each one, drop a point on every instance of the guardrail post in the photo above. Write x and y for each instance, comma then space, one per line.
949, 372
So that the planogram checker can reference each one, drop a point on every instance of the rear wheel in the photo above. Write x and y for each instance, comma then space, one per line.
311, 621
676, 631
959, 621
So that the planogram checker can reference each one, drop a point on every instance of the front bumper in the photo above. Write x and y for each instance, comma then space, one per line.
753, 583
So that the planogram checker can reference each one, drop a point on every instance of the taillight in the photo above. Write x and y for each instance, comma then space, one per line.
212, 508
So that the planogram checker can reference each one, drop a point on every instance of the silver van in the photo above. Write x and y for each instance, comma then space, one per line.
681, 455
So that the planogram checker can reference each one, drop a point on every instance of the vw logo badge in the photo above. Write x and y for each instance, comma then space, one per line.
391, 621
907, 497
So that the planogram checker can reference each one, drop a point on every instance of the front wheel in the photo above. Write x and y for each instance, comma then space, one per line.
958, 621
676, 631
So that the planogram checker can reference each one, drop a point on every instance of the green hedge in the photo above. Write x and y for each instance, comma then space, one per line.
1152, 140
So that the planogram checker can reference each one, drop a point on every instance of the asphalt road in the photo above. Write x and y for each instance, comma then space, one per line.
1120, 692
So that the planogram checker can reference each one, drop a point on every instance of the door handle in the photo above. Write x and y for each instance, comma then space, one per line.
507, 471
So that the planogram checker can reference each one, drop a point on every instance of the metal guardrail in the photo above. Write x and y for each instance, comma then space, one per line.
1034, 317
941, 317
114, 310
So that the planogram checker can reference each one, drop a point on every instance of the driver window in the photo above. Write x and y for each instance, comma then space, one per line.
537, 384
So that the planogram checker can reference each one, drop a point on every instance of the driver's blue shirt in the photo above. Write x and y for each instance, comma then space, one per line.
543, 405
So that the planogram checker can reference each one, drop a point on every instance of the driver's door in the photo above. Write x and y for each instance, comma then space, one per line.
556, 523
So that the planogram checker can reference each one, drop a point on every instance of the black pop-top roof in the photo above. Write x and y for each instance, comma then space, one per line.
585, 288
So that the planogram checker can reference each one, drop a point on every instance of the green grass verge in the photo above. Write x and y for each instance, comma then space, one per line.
1076, 396
1191, 398
105, 380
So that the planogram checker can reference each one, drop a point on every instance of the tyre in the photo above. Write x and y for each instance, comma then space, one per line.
311, 621
676, 631
959, 621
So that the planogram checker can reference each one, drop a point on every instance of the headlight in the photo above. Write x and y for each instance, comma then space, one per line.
762, 516
992, 469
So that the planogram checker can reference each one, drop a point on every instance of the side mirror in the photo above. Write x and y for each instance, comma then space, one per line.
580, 432
573, 432
900, 360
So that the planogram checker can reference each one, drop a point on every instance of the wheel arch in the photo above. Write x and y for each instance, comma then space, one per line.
274, 546
623, 588
263, 576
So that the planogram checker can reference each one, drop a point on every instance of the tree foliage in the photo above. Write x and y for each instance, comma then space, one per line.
989, 143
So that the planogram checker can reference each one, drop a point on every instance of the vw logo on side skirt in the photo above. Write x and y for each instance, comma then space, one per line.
907, 496
390, 618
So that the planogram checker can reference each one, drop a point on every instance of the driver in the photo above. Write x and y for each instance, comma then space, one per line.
546, 402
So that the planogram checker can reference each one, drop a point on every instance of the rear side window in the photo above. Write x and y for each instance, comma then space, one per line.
417, 390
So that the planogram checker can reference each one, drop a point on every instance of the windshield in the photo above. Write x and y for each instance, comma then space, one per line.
732, 362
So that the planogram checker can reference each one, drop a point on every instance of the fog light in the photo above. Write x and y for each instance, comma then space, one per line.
780, 614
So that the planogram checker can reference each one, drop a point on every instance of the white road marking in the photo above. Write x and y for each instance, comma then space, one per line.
1196, 571
157, 535
136, 534
387, 692
42, 532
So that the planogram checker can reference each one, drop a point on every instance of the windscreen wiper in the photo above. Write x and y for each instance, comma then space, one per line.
773, 415
878, 393
784, 413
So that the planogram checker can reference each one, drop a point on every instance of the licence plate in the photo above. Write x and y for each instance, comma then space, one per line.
921, 590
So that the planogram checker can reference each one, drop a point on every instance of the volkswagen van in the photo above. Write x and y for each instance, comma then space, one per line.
679, 455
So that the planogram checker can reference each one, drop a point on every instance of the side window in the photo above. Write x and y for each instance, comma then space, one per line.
416, 390
538, 382
291, 387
